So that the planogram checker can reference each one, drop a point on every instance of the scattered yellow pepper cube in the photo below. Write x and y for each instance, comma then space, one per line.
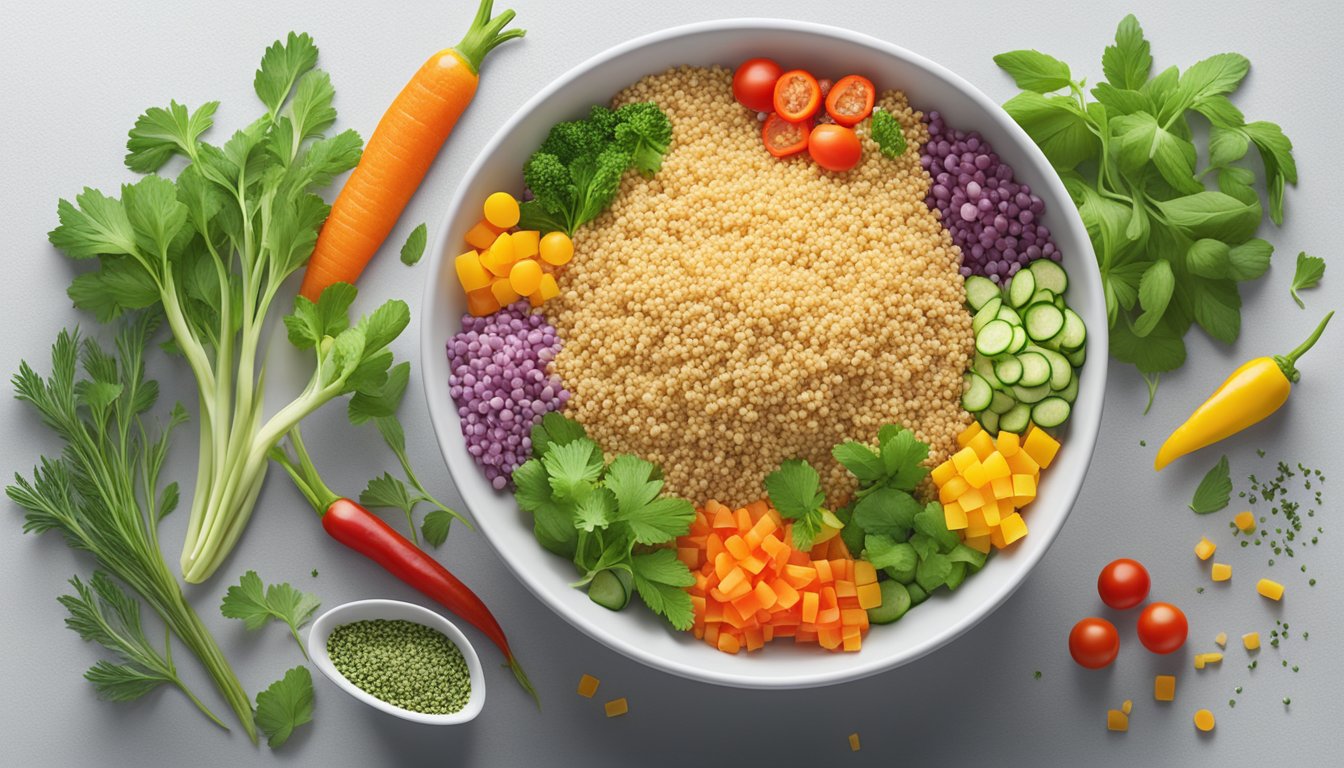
1204, 720
971, 499
1221, 572
482, 235
975, 475
1204, 549
1199, 661
854, 741
1213, 658
996, 466
1041, 446
1116, 720
954, 516
1269, 588
504, 292
993, 512
975, 525
1251, 641
1013, 528
1245, 521
1164, 687
1127, 707
1023, 464
1221, 639
588, 686
952, 489
617, 707
1002, 487
869, 595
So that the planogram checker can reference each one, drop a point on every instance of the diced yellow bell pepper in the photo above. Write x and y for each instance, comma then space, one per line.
1127, 706
1013, 528
869, 595
992, 512
964, 437
1024, 490
1204, 549
1008, 443
1164, 687
972, 498
980, 544
588, 686
943, 472
1221, 639
1022, 464
1251, 641
952, 490
982, 444
1269, 588
1041, 446
503, 249
504, 292
525, 243
963, 459
954, 516
1245, 521
1221, 572
996, 467
1116, 720
864, 573
975, 524
483, 235
470, 273
854, 742
1002, 488
976, 476
617, 707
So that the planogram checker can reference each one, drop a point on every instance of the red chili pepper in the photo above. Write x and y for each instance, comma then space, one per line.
366, 533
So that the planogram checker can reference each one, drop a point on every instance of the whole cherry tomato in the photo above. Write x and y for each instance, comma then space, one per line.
754, 84
835, 147
1162, 627
1094, 643
1123, 583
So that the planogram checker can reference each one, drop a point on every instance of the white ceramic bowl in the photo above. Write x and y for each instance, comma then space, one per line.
394, 610
636, 632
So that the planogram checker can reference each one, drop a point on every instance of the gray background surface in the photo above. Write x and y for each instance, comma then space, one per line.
76, 75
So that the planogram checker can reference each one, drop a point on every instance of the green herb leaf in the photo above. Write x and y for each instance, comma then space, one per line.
1249, 260
1034, 71
595, 510
285, 705
161, 133
387, 492
555, 428
435, 526
100, 612
1057, 125
414, 247
1310, 270
886, 552
256, 604
1128, 62
933, 571
551, 524
281, 66
381, 402
311, 321
931, 523
1214, 491
661, 580
795, 491
887, 511
652, 520
903, 455
572, 469
1219, 74
1212, 214
860, 460
1208, 258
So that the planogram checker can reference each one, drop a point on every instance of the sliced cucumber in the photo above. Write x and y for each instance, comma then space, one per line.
895, 601
1031, 395
1074, 334
1077, 357
1021, 288
1043, 320
986, 313
1042, 294
989, 420
1008, 370
994, 338
1049, 276
1059, 303
1035, 369
1070, 392
980, 290
978, 393
1019, 340
1050, 412
1016, 419
1001, 402
1060, 369
608, 590
985, 367
1010, 315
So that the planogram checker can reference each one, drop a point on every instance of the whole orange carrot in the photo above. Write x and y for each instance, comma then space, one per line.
400, 152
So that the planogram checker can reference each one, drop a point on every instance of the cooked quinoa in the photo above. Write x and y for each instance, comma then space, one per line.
738, 310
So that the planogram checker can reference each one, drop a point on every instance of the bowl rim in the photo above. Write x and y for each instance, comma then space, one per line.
1083, 439
379, 608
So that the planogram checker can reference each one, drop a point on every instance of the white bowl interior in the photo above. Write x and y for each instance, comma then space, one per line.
394, 610
637, 632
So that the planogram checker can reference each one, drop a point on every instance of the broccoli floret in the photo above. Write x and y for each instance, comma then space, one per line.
644, 131
597, 181
886, 131
604, 119
550, 182
574, 139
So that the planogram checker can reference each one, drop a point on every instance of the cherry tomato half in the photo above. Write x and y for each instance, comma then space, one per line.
797, 95
754, 84
1123, 584
1162, 627
835, 147
783, 138
850, 99
1094, 643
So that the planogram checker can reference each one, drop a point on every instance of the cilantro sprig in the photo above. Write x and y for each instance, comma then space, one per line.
795, 492
256, 604
1171, 249
606, 516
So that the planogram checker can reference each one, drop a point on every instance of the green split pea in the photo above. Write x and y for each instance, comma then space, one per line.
403, 663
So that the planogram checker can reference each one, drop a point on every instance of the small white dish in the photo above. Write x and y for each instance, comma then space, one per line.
394, 610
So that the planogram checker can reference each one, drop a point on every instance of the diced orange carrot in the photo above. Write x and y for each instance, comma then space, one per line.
799, 575
482, 302
864, 572
752, 564
735, 579
755, 638
723, 518
588, 686
617, 707
737, 547
823, 568
786, 595
811, 604
690, 556
729, 643
482, 235
852, 639
743, 518
845, 588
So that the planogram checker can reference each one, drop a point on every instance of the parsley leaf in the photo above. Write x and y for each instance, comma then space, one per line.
661, 580
885, 552
281, 66
902, 457
861, 461
795, 492
1310, 270
285, 705
435, 526
1034, 71
256, 604
414, 247
1127, 63
1214, 491
573, 469
555, 428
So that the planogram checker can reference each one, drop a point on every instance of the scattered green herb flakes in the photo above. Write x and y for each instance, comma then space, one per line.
314, 573
1214, 491
255, 604
1037, 675
285, 705
414, 247
403, 663
1310, 270
1171, 250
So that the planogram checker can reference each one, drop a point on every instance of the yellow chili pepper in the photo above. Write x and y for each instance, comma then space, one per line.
1253, 391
